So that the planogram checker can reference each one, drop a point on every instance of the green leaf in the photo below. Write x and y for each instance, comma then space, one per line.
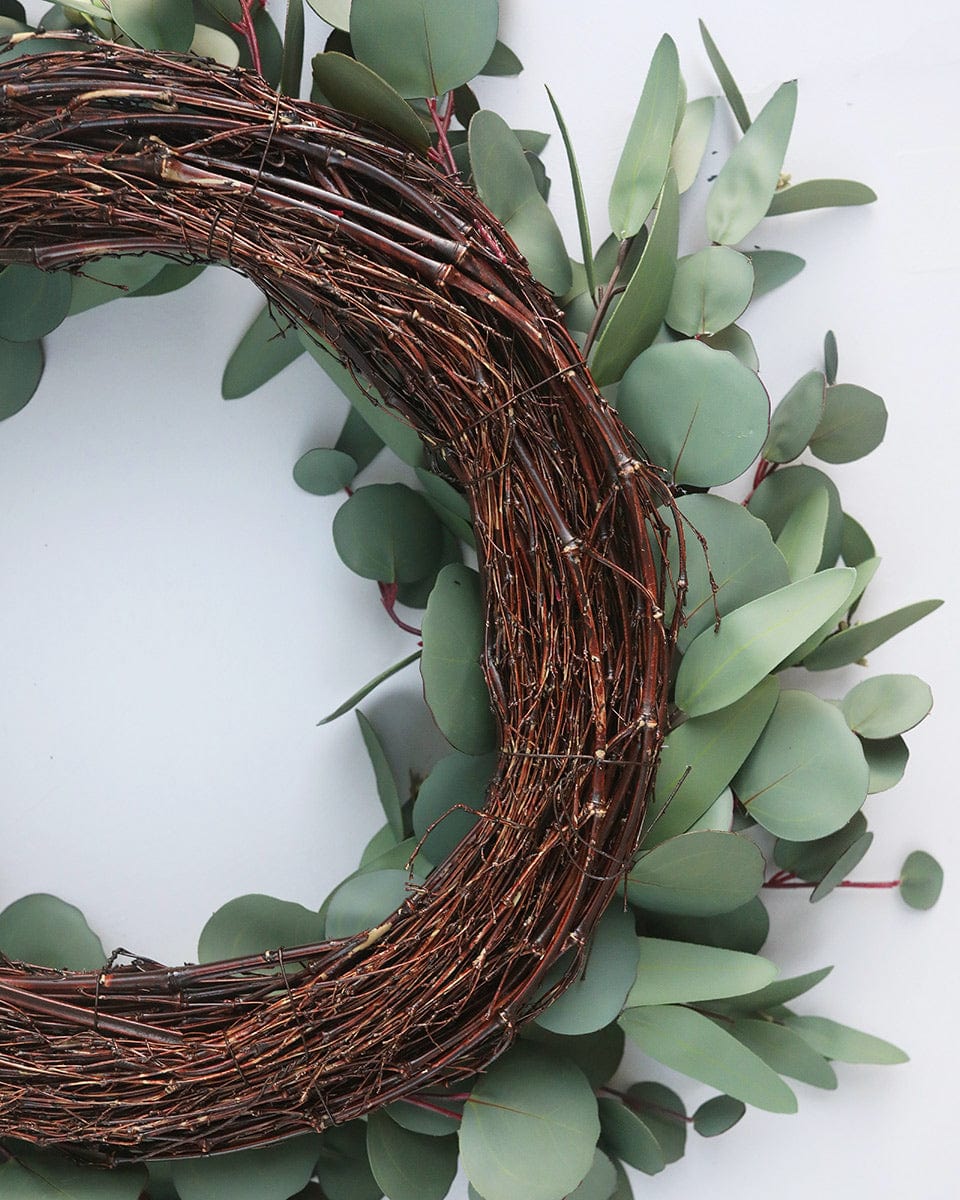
853, 644
782, 492
598, 995
449, 799
887, 759
597, 1054
334, 12
363, 901
35, 1174
678, 973
217, 45
263, 351
865, 573
843, 1044
292, 66
772, 269
710, 291
450, 505
358, 440
32, 302
367, 688
742, 192
170, 278
386, 784
819, 193
343, 1167
697, 874
506, 185
387, 532
409, 1166
530, 1127
886, 705
453, 681
921, 880
806, 776
45, 930
646, 153
412, 1116
161, 1181
690, 144
745, 928
795, 419
701, 756
801, 539
354, 88
583, 222
853, 424
113, 278
726, 80
781, 991
324, 471
627, 1135
600, 1181
691, 1043
738, 342
268, 1173
717, 1115
252, 924
856, 546
417, 593
830, 358
637, 317
21, 365
812, 860
716, 423
846, 863
155, 24
719, 668
502, 61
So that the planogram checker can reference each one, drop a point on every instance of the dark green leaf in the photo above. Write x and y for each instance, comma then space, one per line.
363, 901
45, 930
795, 419
409, 1166
253, 924
780, 494
738, 342
830, 360
744, 928
269, 1173
717, 1115
841, 868
21, 365
386, 784
502, 61
672, 972
450, 505
161, 1181
36, 1174
170, 278
353, 87
819, 193
358, 440
216, 45
811, 860
324, 471
710, 291
887, 759
853, 644
156, 24
690, 143
600, 1181
781, 991
32, 302
449, 799
853, 423
334, 12
856, 546
840, 1042
417, 593
343, 1167
697, 874
583, 223
369, 687
387, 532
886, 705
664, 1113
627, 1135
726, 80
921, 880
263, 351
597, 1054
772, 269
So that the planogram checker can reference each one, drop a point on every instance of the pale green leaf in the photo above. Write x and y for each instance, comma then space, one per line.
672, 972
886, 705
696, 874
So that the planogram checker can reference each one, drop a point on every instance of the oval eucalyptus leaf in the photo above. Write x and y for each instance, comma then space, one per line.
830, 358
427, 1120
600, 1181
887, 760
853, 424
627, 1135
354, 88
424, 47
363, 901
691, 1043
745, 186
696, 874
781, 991
343, 1167
112, 279
253, 924
417, 593
358, 440
449, 800
598, 1055
21, 366
665, 1115
785, 1051
40, 1174
267, 1173
45, 930
772, 269
506, 185
716, 422
795, 419
214, 44
886, 705
843, 1044
690, 144
597, 996
719, 816
450, 505
812, 860
801, 539
725, 79
323, 472
161, 1181
701, 756
820, 193
710, 291
679, 972
719, 668
387, 532
780, 494
409, 1166
386, 784
638, 315
453, 681
856, 546
854, 644
529, 1127
745, 928
921, 880
334, 12
738, 342
841, 868
865, 573
170, 278
806, 776
156, 24
717, 1115
32, 302
264, 351
646, 152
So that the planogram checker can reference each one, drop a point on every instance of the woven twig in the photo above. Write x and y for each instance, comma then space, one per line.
405, 275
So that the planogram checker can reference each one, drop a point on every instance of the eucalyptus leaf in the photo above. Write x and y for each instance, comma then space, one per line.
801, 539
416, 594
795, 419
253, 924
843, 1044
820, 193
583, 222
646, 152
855, 643
726, 80
343, 1167
450, 505
672, 972
841, 868
664, 1114
45, 930
856, 546
156, 24
292, 66
696, 874
785, 1051
743, 190
32, 302
334, 12
267, 1173
367, 688
33, 1173
921, 880
600, 1181
627, 1135
386, 784
782, 492
21, 366
812, 860
738, 342
353, 87
358, 440
744, 928
781, 991
886, 705
170, 278
216, 45
324, 471
363, 901
690, 143
264, 351
710, 291
419, 1118
407, 1165
865, 573
387, 532
598, 1054
449, 800
502, 61
718, 1115
887, 760
830, 357
772, 269
853, 423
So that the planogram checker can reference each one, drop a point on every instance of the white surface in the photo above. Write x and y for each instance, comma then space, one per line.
175, 620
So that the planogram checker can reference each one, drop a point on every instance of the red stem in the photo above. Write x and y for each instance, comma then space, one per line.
644, 1105
388, 598
786, 879
246, 30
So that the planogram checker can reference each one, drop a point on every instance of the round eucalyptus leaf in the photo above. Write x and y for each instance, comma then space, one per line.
921, 880
324, 471
795, 419
840, 1042
853, 423
772, 269
451, 506
343, 1167
672, 972
530, 1127
696, 874
782, 492
717, 1115
811, 860
32, 302
417, 593
806, 776
598, 1055
887, 760
213, 43
364, 901
449, 800
156, 24
697, 412
267, 1173
886, 705
745, 928
710, 290
45, 930
424, 47
334, 12
627, 1135
354, 88
252, 924
841, 868
664, 1113
170, 278
600, 1181
40, 1174
387, 532
407, 1165
21, 365
738, 342
427, 1120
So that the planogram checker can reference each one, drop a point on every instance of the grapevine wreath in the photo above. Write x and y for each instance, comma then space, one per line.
469, 990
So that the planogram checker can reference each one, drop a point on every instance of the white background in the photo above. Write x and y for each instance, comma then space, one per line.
175, 620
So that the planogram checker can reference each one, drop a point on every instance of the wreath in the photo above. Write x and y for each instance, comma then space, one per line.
585, 865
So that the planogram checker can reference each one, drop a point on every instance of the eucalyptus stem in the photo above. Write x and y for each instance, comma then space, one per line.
607, 296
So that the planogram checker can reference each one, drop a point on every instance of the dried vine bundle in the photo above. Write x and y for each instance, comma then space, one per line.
405, 276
